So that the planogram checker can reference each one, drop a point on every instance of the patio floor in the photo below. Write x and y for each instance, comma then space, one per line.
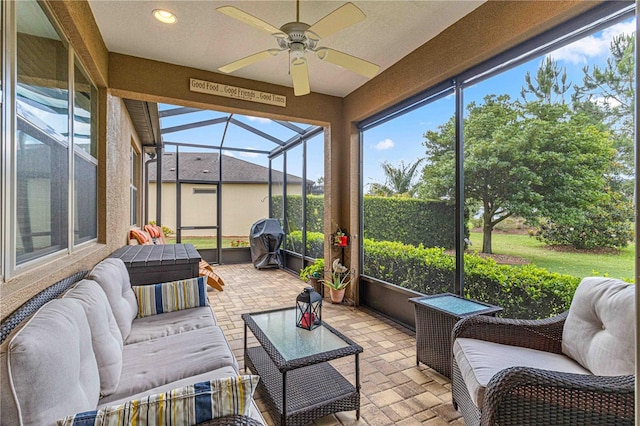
394, 390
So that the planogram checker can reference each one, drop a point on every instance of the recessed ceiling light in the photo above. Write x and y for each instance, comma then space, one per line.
165, 16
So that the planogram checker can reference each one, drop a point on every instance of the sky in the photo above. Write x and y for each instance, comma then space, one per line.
399, 140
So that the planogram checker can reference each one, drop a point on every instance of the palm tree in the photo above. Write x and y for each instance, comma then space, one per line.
398, 180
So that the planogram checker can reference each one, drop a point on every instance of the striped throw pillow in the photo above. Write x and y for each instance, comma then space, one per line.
188, 405
171, 296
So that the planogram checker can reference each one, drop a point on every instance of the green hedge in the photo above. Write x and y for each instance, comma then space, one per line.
315, 243
522, 291
315, 211
407, 220
410, 221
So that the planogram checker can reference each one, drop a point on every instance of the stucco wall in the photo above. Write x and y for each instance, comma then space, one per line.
242, 206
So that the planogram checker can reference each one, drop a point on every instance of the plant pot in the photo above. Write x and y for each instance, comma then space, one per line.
336, 295
317, 285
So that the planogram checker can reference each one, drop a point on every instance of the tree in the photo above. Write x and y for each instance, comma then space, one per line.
531, 160
550, 84
608, 95
398, 180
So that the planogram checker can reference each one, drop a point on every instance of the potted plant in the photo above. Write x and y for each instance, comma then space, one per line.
340, 238
339, 280
313, 273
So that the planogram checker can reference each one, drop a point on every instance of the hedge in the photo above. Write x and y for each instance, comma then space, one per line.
315, 243
407, 220
315, 212
522, 291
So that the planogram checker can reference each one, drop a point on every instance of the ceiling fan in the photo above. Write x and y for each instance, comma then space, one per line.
298, 38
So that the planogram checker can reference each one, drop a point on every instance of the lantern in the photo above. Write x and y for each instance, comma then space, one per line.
308, 309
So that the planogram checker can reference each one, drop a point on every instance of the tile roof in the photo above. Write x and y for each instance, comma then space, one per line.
203, 166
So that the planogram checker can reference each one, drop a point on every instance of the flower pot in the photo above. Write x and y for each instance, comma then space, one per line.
317, 285
336, 295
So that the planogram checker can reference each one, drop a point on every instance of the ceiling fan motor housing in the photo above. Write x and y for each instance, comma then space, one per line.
296, 35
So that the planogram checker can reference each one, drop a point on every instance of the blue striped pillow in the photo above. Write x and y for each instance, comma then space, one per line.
171, 296
188, 405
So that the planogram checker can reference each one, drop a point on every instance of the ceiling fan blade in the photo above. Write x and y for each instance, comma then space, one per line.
347, 61
241, 16
300, 76
248, 60
341, 18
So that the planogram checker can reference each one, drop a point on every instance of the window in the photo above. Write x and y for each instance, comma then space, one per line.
396, 205
85, 144
547, 173
54, 140
134, 181
205, 190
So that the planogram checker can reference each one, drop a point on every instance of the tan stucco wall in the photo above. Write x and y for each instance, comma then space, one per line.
242, 206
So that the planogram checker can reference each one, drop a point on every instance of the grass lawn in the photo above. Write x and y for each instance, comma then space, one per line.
208, 242
580, 265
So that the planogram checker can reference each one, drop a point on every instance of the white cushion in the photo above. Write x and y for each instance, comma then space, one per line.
170, 323
105, 334
480, 360
599, 332
113, 277
153, 363
51, 365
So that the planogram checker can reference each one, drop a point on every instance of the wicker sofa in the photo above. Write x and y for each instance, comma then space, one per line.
104, 348
575, 368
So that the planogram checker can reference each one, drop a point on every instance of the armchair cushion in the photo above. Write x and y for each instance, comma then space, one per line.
170, 296
480, 360
187, 405
599, 332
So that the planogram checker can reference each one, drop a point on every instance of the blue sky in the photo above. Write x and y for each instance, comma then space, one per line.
400, 139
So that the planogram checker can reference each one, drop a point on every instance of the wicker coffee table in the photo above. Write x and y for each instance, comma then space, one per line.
297, 382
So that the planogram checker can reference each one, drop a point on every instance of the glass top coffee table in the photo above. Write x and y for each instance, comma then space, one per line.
298, 383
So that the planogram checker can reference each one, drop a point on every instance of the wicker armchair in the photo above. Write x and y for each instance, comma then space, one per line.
522, 395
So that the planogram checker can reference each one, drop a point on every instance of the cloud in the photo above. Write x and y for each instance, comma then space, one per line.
384, 145
594, 46
259, 119
248, 154
228, 153
610, 102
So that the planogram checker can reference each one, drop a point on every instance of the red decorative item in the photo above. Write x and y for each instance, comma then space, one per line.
342, 240
305, 322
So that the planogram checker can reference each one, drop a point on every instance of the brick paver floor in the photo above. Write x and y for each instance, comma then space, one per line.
394, 390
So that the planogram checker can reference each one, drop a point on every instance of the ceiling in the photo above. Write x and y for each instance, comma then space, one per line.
206, 39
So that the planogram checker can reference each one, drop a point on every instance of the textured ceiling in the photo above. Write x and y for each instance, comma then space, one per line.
206, 39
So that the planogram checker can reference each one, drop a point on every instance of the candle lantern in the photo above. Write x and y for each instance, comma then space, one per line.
308, 309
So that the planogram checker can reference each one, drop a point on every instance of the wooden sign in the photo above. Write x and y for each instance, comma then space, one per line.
218, 89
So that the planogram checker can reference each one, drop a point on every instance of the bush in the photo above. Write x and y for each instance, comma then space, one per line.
407, 220
522, 291
315, 243
410, 221
609, 225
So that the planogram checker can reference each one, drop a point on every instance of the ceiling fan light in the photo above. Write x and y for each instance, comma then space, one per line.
165, 16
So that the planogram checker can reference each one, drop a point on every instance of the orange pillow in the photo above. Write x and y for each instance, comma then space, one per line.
153, 230
139, 236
